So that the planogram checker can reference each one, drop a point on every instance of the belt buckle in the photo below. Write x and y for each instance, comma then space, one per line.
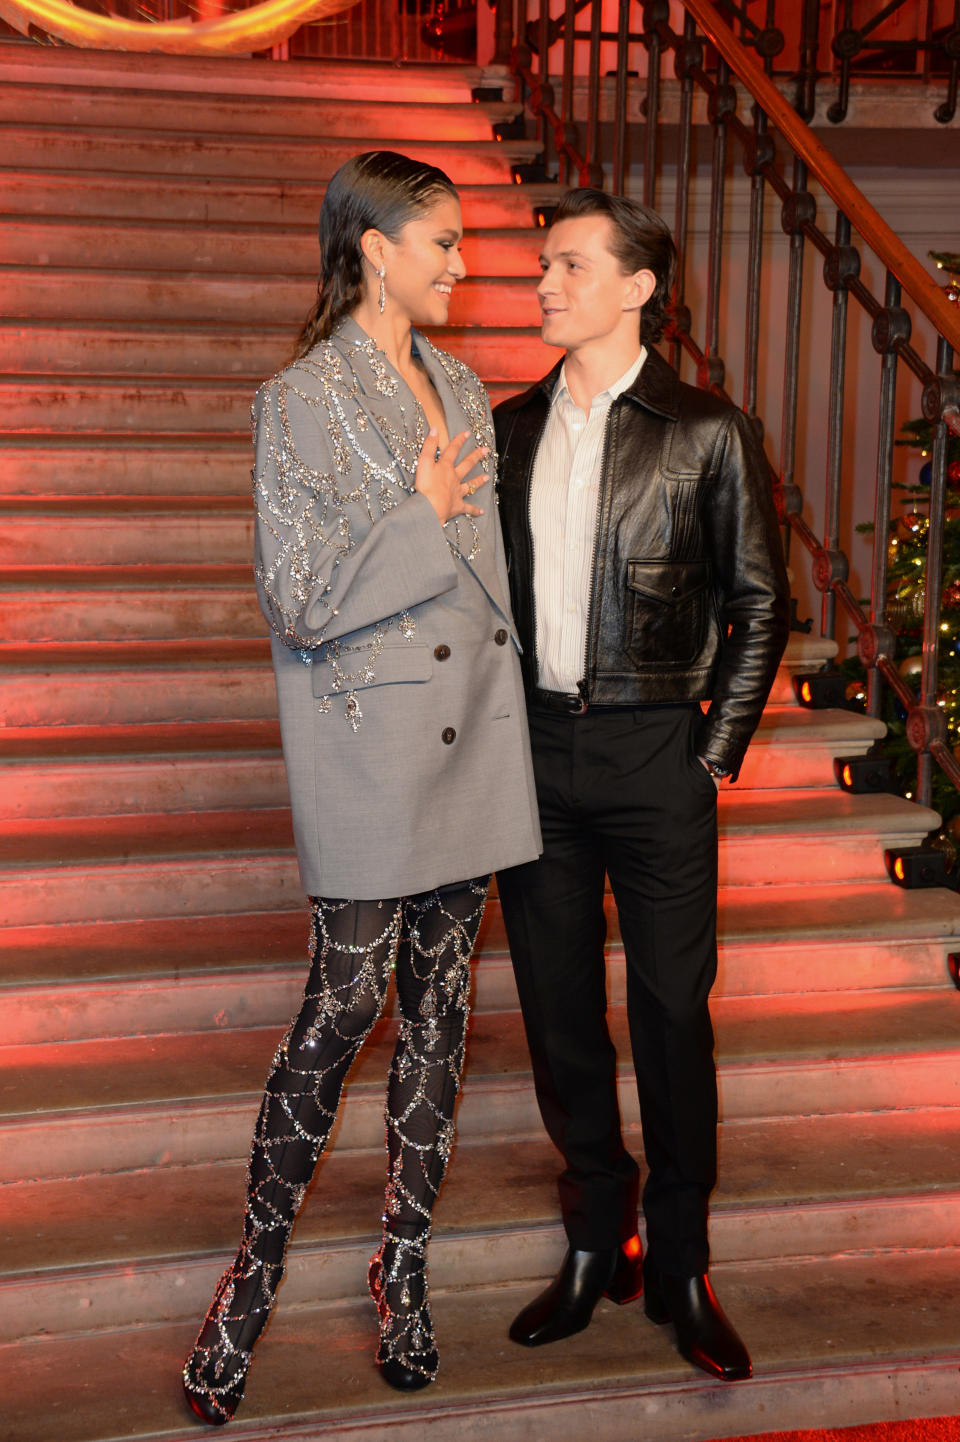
580, 709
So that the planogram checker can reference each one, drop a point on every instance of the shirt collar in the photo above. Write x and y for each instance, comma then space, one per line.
609, 395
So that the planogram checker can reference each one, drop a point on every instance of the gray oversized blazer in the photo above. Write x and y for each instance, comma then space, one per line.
394, 651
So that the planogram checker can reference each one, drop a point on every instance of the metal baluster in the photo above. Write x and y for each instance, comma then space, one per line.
620, 102
569, 26
891, 325
593, 88
798, 209
722, 101
543, 75
522, 42
762, 151
933, 589
652, 127
836, 270
838, 110
944, 113
503, 31
691, 54
806, 101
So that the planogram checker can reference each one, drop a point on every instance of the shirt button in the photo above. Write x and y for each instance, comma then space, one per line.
501, 637
448, 736
442, 652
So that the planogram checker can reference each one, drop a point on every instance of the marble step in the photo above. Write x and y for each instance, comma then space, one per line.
235, 351
144, 1247
885, 1347
59, 538
191, 199
117, 604
184, 863
111, 1105
83, 980
138, 468
131, 149
226, 76
89, 405
135, 254
111, 683
239, 117
46, 773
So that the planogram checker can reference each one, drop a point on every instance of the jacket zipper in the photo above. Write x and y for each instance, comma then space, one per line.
582, 686
533, 594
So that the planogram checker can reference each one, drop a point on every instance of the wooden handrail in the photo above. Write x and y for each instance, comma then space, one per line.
920, 286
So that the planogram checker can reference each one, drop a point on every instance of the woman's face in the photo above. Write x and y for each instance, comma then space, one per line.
424, 264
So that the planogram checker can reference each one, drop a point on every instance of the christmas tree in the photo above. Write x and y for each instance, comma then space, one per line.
906, 580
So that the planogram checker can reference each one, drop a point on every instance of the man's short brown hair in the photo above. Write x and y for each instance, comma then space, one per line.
640, 240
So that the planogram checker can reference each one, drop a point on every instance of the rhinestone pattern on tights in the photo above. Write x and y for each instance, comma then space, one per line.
428, 939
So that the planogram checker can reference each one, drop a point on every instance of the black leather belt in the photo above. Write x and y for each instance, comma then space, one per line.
558, 701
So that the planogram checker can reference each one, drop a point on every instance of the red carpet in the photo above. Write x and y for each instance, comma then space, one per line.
928, 1429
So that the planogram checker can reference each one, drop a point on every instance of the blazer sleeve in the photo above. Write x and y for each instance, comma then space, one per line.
750, 581
335, 549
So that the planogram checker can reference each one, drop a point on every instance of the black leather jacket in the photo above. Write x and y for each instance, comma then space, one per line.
689, 597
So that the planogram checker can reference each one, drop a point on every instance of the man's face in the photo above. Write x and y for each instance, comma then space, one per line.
584, 295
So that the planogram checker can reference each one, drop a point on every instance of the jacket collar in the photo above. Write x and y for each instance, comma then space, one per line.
657, 387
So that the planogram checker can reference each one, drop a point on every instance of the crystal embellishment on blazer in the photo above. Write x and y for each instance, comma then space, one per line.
330, 464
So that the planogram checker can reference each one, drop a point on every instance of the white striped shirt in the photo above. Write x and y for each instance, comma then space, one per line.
564, 494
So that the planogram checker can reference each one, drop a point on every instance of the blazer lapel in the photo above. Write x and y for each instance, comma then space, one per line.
466, 408
384, 398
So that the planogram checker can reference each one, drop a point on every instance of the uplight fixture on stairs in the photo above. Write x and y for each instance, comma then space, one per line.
913, 867
530, 173
543, 216
818, 690
861, 774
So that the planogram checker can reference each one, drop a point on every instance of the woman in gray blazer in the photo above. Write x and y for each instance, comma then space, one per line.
380, 569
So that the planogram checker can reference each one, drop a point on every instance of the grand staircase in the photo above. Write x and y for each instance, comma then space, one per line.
156, 255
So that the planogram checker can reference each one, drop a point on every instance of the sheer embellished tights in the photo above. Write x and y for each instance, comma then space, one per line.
428, 939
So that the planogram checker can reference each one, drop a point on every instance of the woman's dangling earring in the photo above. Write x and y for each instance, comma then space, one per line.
382, 298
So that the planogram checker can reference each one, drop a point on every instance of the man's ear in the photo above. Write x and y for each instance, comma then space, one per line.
641, 288
371, 243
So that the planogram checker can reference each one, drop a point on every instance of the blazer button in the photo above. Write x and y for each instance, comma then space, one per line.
441, 652
448, 735
501, 637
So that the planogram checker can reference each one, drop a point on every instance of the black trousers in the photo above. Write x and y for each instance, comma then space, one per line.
621, 791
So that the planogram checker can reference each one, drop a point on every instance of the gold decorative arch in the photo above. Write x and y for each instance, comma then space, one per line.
241, 31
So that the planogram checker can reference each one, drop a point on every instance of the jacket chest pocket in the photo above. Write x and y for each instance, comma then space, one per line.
667, 608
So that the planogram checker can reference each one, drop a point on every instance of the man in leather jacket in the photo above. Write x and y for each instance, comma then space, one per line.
647, 577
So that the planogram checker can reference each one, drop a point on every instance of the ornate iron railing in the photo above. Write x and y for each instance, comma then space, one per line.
704, 29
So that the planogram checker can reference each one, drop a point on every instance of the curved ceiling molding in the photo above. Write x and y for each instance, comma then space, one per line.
240, 31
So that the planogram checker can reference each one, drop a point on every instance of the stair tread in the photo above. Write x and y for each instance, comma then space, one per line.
79, 952
27, 842
41, 1079
87, 656
108, 577
180, 1212
30, 745
793, 725
316, 1364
